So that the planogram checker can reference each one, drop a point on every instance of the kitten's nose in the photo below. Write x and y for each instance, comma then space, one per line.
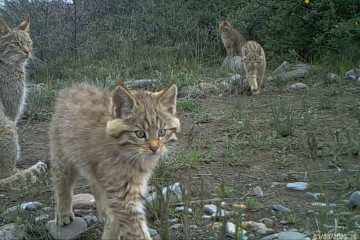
26, 50
154, 148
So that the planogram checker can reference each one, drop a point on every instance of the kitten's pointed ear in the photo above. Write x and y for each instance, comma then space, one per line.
123, 103
4, 28
25, 25
167, 98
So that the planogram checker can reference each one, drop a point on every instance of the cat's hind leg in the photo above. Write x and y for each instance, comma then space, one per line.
64, 178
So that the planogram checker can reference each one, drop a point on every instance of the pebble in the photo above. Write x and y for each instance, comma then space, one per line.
223, 213
11, 231
90, 220
258, 192
353, 74
253, 226
298, 186
355, 198
282, 68
298, 86
29, 206
210, 208
281, 208
231, 230
318, 204
70, 231
332, 205
2, 196
176, 226
152, 232
206, 217
270, 237
241, 206
83, 200
182, 208
311, 195
41, 218
265, 231
267, 221
320, 195
214, 226
174, 220
290, 236
174, 192
276, 184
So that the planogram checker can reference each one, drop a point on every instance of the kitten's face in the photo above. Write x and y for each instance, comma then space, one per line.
145, 124
253, 59
224, 26
15, 44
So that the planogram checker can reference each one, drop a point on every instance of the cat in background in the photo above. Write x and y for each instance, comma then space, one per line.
15, 51
115, 139
254, 62
231, 38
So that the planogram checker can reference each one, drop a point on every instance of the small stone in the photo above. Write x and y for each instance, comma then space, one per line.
90, 220
241, 206
11, 231
41, 218
205, 217
311, 195
2, 196
353, 74
70, 231
267, 221
258, 192
182, 208
176, 226
281, 208
282, 68
332, 205
253, 226
276, 184
318, 204
210, 208
333, 77
270, 237
192, 226
214, 226
298, 186
223, 213
231, 230
83, 200
265, 231
355, 198
47, 209
175, 220
152, 232
290, 236
299, 85
31, 206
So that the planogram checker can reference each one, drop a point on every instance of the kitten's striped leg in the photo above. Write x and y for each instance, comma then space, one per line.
64, 182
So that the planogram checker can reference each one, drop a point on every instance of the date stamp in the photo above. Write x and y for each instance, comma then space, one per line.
335, 236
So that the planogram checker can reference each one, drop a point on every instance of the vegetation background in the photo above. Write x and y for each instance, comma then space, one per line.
129, 39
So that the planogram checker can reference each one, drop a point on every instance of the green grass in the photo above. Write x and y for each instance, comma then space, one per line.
188, 105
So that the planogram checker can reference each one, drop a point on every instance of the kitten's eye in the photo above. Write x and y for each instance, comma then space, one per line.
29, 44
16, 44
162, 132
140, 133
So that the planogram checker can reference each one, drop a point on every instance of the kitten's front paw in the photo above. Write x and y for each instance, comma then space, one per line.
64, 218
39, 167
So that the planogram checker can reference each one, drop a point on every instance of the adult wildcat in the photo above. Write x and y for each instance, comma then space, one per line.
231, 39
115, 139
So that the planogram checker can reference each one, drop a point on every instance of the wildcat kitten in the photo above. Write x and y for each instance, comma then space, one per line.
231, 38
115, 139
15, 50
254, 64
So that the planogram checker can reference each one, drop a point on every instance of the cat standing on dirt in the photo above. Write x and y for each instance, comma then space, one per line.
114, 139
231, 38
15, 51
254, 64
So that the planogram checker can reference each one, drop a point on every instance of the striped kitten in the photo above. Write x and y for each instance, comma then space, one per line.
254, 64
114, 139
231, 39
15, 51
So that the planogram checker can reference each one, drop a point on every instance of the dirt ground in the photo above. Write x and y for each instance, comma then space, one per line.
266, 160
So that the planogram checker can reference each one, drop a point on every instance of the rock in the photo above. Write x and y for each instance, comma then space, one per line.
11, 231
210, 208
214, 226
265, 231
332, 205
297, 86
281, 208
70, 231
352, 74
152, 232
233, 65
258, 192
267, 221
241, 206
290, 236
90, 220
175, 220
206, 217
223, 213
311, 195
318, 204
332, 77
29, 206
141, 83
173, 192
224, 84
253, 226
177, 226
236, 78
231, 230
276, 184
270, 237
41, 218
298, 186
294, 74
355, 199
83, 200
282, 68
182, 208
2, 196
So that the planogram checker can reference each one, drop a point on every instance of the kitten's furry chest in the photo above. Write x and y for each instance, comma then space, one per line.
12, 91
